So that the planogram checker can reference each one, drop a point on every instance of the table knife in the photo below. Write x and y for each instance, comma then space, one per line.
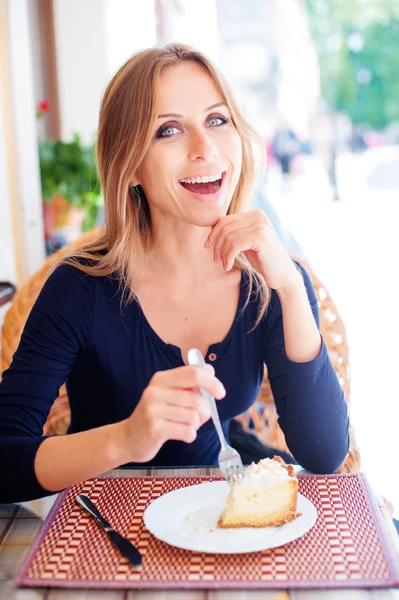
124, 546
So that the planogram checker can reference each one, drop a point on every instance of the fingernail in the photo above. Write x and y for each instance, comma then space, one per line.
206, 244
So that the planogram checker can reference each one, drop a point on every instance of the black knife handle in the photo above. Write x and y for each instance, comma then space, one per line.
87, 505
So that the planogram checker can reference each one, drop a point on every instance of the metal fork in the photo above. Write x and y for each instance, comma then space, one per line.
229, 460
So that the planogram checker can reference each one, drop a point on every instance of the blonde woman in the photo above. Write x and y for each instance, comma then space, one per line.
179, 264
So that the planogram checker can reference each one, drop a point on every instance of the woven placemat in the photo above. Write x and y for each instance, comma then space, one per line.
347, 546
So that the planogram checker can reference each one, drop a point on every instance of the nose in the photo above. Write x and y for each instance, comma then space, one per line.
202, 147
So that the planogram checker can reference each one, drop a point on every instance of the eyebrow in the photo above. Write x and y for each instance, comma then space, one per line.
175, 115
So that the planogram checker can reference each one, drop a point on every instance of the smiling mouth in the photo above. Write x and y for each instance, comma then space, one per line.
209, 187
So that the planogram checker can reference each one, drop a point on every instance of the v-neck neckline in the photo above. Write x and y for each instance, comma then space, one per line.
216, 349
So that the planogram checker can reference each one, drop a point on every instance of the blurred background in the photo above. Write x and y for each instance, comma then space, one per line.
319, 79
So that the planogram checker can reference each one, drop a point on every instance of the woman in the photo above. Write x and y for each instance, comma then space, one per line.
178, 265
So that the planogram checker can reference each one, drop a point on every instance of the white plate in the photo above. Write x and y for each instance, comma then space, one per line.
187, 518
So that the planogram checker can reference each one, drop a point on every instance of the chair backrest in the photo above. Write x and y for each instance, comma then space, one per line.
262, 416
14, 322
24, 299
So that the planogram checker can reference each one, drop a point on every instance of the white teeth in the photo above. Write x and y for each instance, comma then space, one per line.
204, 179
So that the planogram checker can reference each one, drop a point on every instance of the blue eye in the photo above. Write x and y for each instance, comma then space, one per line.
167, 131
216, 121
170, 130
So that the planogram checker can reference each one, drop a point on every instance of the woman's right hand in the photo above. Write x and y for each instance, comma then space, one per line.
170, 408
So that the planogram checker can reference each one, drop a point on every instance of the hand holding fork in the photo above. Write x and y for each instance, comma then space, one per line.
229, 460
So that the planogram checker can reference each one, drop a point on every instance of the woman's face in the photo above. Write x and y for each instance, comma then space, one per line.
194, 161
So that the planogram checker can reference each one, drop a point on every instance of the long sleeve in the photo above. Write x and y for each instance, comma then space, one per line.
57, 328
309, 400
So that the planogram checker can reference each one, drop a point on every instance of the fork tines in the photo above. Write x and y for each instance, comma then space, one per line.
233, 472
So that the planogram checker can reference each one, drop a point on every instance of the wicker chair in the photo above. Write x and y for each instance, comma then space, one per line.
262, 416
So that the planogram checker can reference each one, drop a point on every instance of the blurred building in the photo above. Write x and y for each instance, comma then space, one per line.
192, 22
268, 55
64, 52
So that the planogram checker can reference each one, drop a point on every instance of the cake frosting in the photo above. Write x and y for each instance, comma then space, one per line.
266, 471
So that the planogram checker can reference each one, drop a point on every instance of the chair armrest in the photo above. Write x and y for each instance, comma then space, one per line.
7, 291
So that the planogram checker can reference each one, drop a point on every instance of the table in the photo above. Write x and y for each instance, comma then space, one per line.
20, 523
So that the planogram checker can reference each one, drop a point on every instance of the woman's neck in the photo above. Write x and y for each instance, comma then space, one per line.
178, 255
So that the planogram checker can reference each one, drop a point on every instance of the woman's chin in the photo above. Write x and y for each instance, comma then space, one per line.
207, 216
210, 220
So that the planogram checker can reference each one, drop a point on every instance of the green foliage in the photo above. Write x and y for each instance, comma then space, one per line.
68, 169
374, 102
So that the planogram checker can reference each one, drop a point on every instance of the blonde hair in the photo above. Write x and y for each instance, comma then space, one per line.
127, 115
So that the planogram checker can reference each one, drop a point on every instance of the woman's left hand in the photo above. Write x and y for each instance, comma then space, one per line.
253, 234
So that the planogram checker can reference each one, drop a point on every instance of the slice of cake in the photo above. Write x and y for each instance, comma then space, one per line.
265, 495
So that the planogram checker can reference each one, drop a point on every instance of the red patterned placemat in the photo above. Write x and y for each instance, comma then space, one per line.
347, 547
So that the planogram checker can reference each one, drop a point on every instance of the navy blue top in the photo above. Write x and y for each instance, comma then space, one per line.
77, 332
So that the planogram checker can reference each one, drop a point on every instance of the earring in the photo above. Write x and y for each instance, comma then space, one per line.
137, 196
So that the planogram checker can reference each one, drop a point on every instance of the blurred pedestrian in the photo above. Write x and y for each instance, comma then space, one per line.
285, 146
